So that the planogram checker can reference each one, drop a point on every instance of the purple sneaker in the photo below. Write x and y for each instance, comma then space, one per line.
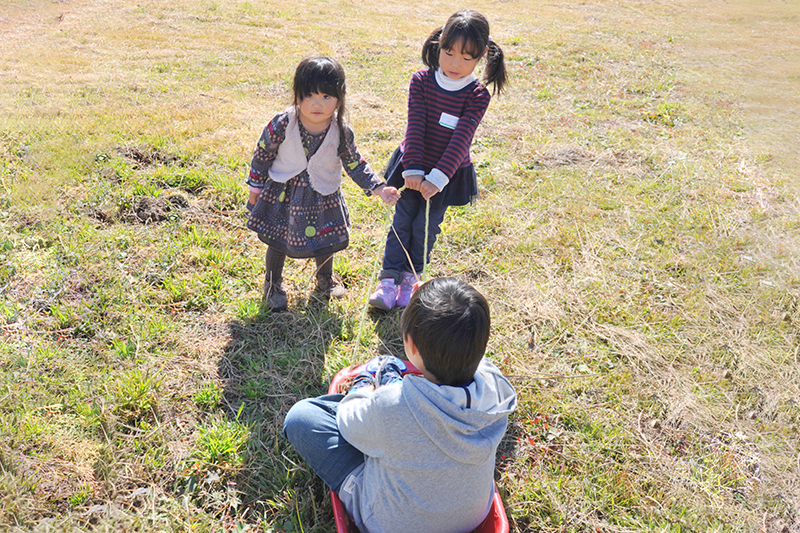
406, 289
386, 296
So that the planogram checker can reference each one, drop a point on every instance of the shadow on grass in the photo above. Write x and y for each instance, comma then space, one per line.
272, 361
387, 328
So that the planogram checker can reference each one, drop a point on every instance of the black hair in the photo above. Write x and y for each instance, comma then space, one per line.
449, 322
471, 29
322, 74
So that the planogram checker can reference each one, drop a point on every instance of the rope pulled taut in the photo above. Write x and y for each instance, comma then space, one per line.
374, 277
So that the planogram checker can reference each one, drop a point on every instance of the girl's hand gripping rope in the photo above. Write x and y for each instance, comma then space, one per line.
428, 189
413, 181
389, 195
417, 182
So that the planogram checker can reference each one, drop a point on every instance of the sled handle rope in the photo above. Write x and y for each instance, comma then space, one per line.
417, 275
374, 276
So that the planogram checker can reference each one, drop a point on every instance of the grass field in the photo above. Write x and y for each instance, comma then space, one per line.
637, 238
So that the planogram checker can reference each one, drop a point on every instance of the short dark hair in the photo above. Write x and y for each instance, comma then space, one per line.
325, 75
449, 322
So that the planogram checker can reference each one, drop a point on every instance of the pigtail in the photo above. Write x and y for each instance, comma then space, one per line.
495, 71
344, 145
341, 120
430, 49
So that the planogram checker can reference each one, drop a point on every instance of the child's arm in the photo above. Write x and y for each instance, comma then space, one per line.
264, 155
360, 421
362, 174
255, 192
414, 140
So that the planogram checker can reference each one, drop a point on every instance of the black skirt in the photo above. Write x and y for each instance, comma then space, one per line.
461, 190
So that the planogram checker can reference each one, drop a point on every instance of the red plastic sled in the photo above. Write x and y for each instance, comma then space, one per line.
496, 521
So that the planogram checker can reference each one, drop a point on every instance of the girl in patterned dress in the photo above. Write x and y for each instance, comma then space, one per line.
446, 102
296, 205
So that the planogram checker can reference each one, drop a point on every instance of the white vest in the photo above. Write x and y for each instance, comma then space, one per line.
324, 167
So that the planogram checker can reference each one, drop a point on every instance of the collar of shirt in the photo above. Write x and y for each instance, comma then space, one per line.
453, 85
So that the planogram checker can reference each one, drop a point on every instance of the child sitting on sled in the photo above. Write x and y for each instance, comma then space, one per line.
415, 453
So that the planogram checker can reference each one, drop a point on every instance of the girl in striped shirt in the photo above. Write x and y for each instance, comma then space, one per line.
446, 102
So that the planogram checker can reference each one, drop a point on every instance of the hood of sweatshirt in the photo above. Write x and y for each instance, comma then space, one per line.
465, 434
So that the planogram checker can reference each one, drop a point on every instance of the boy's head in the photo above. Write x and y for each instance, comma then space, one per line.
448, 321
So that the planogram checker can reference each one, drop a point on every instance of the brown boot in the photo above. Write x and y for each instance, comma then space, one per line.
274, 297
330, 287
327, 285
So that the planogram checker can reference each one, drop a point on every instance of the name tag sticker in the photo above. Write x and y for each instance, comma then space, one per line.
448, 121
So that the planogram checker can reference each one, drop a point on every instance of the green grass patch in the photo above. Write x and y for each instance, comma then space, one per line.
635, 237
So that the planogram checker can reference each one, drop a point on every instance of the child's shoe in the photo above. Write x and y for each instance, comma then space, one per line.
363, 379
386, 296
406, 289
330, 287
379, 371
386, 368
274, 297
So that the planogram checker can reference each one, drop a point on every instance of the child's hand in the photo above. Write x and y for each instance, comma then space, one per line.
389, 195
414, 181
253, 198
428, 189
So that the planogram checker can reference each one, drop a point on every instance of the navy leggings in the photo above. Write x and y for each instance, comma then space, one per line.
409, 223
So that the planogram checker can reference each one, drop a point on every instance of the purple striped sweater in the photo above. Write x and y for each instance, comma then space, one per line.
441, 124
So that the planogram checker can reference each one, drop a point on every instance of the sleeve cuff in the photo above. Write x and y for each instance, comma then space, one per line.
438, 178
413, 172
255, 189
371, 190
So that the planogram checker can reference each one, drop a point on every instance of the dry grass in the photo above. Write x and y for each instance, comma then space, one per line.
637, 238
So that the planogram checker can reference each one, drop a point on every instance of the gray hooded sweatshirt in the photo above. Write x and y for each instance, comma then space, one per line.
430, 452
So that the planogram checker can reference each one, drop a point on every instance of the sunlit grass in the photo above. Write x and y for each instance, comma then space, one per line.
637, 247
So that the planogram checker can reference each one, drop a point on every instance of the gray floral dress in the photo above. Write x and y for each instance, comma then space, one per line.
292, 217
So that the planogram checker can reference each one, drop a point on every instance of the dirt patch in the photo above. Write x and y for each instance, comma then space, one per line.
26, 224
100, 215
149, 209
148, 157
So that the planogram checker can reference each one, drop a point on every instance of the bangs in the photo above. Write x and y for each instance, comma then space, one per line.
323, 84
467, 38
319, 75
